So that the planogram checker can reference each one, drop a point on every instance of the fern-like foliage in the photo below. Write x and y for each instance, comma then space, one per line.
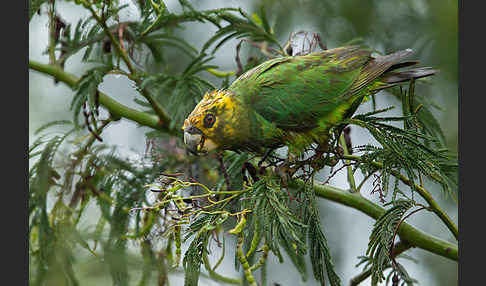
173, 198
35, 6
93, 173
279, 220
381, 243
193, 257
254, 27
319, 251
404, 149
181, 92
280, 226
86, 99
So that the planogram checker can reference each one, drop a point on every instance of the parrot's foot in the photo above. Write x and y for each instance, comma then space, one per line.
265, 156
247, 166
322, 148
285, 172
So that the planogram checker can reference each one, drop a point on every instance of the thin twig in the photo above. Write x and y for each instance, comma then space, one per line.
352, 182
159, 110
345, 165
422, 191
223, 170
239, 71
406, 232
114, 107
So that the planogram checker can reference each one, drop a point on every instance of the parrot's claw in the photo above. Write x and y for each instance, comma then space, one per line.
282, 172
265, 156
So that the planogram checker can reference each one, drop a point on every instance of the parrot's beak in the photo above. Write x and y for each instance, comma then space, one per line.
194, 140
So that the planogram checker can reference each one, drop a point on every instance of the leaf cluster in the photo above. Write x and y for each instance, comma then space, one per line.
380, 247
413, 149
90, 174
278, 220
256, 204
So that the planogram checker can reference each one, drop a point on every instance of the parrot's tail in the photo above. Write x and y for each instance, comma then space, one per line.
406, 75
385, 69
393, 76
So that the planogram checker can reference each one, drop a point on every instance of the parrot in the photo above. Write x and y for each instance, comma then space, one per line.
293, 101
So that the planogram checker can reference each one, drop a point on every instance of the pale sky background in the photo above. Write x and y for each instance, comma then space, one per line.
347, 230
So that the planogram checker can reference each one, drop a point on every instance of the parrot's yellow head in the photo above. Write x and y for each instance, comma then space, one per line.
211, 122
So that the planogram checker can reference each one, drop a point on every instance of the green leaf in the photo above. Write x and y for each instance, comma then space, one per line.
51, 124
381, 238
87, 91
193, 259
257, 19
34, 6
319, 252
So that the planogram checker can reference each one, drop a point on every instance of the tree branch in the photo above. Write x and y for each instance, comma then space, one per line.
349, 168
423, 192
218, 277
52, 32
159, 110
113, 106
354, 200
406, 232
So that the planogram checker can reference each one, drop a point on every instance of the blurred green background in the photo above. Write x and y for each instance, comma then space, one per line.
430, 28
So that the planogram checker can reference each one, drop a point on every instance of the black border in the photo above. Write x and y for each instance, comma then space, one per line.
15, 141
471, 112
14, 116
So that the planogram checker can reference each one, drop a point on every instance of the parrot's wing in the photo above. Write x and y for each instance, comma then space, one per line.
379, 65
296, 93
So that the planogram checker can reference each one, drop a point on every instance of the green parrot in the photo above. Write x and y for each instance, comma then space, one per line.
293, 101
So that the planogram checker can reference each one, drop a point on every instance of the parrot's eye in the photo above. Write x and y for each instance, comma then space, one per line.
209, 120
